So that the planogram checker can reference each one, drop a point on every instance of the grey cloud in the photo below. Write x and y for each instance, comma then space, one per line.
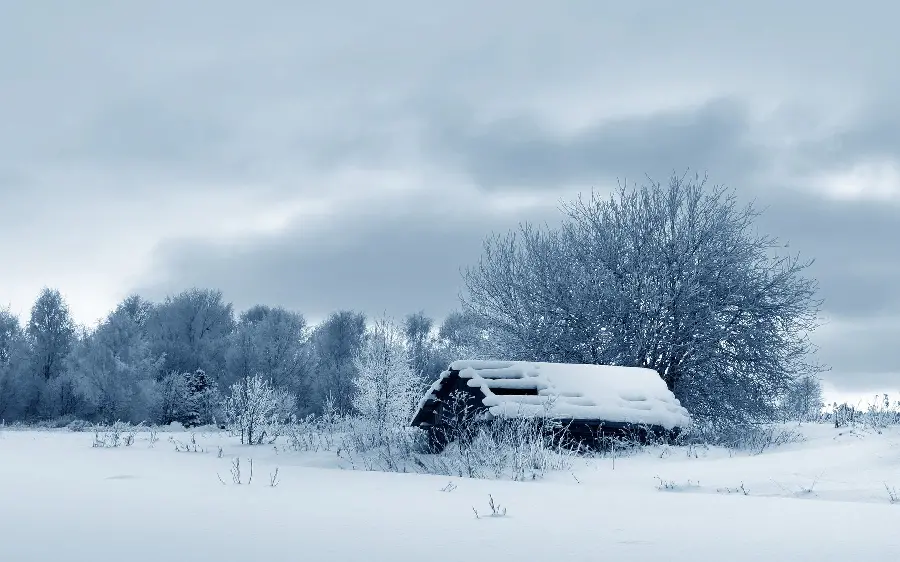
517, 152
849, 355
395, 262
856, 354
11, 180
234, 59
873, 133
854, 245
147, 132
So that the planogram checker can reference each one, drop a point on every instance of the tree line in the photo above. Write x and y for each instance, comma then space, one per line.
169, 361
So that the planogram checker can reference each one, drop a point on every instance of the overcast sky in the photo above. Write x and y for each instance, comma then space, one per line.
353, 154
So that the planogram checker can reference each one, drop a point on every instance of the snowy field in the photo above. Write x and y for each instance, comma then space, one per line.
824, 499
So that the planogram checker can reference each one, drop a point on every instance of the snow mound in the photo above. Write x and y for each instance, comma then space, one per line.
566, 391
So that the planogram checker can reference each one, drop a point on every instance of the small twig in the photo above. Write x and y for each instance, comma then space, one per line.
740, 489
496, 510
273, 478
236, 470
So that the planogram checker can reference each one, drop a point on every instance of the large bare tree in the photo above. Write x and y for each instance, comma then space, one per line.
671, 277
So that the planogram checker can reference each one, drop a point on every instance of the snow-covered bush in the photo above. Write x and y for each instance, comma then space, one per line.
471, 446
78, 425
119, 434
313, 434
881, 412
256, 411
500, 449
518, 449
752, 438
386, 387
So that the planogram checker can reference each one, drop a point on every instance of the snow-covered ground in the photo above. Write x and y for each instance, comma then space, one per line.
824, 499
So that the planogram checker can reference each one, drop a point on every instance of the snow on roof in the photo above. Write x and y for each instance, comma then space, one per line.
566, 391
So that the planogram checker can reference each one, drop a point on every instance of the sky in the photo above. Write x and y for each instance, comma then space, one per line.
353, 154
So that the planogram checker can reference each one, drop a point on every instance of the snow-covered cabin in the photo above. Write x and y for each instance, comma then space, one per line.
590, 400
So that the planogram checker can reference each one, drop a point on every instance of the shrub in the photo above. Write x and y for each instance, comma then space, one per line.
754, 438
78, 425
256, 411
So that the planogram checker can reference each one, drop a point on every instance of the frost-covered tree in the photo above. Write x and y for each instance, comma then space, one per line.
465, 335
333, 345
51, 334
113, 368
270, 341
173, 399
190, 399
256, 410
417, 329
191, 330
670, 277
424, 348
19, 387
386, 387
803, 401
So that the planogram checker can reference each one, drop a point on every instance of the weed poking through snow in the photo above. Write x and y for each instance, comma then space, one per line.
672, 486
192, 447
273, 478
496, 509
117, 435
801, 490
739, 490
237, 472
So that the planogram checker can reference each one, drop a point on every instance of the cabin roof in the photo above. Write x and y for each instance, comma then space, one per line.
566, 391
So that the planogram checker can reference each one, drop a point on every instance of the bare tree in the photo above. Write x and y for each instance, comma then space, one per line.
804, 398
673, 278
386, 386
